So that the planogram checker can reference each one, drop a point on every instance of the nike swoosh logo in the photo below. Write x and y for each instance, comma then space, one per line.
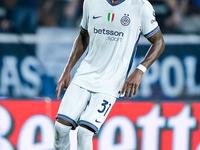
97, 121
95, 17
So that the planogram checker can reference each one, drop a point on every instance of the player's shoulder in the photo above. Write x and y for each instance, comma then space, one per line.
92, 2
141, 3
146, 3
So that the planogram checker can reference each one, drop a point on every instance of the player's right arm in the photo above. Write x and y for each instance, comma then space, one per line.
78, 49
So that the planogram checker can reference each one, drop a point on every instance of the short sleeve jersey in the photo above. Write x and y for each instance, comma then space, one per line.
114, 31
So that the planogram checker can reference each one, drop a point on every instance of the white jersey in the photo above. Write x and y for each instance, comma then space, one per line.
114, 31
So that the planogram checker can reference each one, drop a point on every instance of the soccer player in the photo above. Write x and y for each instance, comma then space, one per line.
111, 29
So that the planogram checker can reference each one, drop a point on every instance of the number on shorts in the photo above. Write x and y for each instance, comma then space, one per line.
104, 104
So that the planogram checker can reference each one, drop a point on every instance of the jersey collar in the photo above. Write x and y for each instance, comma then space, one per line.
120, 1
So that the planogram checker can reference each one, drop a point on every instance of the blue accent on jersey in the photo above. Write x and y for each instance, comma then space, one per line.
83, 122
83, 28
95, 17
74, 124
108, 32
120, 1
152, 32
133, 55
97, 121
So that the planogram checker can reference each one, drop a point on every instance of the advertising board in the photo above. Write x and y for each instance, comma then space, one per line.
131, 125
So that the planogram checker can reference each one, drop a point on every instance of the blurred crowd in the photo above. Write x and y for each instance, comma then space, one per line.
25, 16
183, 16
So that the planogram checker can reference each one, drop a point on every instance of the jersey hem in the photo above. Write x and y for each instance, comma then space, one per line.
89, 88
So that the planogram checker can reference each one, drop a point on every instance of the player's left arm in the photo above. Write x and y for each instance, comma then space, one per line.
133, 81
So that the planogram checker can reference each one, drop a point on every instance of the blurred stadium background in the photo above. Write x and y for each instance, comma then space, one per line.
36, 37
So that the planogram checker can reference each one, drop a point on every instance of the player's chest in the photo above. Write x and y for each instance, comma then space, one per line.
121, 16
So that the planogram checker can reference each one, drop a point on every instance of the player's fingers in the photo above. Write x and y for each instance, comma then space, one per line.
135, 90
127, 89
124, 87
131, 91
65, 86
58, 89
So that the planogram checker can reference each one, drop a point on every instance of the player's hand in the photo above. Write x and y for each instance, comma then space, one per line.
63, 83
132, 83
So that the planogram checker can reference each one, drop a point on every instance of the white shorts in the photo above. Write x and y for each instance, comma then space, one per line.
82, 107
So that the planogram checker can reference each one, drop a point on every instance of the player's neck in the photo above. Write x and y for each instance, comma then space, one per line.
114, 1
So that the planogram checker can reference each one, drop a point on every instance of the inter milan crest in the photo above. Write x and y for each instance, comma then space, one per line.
125, 20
